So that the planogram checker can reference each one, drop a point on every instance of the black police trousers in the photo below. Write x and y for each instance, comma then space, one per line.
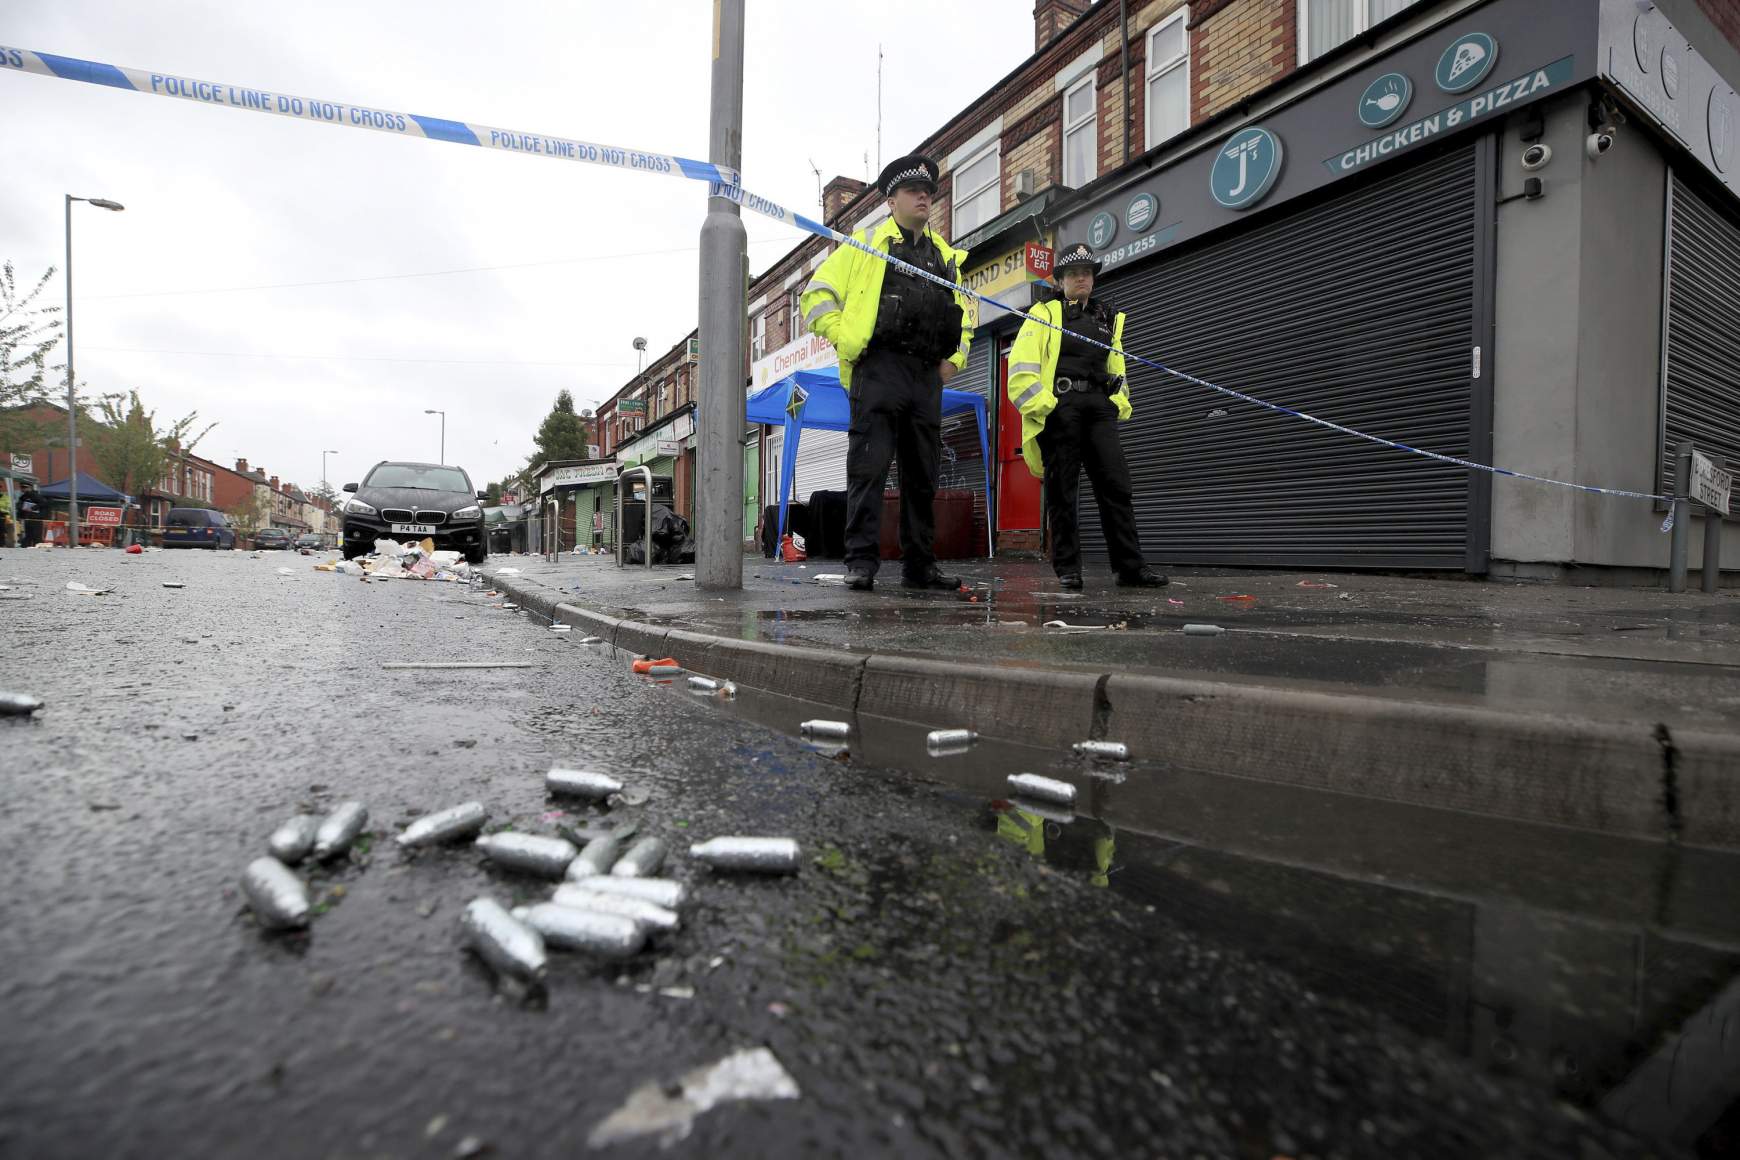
1083, 433
896, 410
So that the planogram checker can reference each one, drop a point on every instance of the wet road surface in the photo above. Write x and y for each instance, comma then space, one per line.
1279, 973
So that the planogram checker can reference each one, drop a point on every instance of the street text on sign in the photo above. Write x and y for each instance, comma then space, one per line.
108, 516
1711, 486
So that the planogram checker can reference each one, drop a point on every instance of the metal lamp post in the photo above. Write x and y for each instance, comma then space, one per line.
443, 414
325, 486
72, 411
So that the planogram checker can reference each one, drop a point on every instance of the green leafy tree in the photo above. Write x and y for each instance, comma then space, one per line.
29, 332
494, 492
249, 515
562, 435
130, 450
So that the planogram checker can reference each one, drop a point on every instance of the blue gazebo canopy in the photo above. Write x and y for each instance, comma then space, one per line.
90, 491
815, 399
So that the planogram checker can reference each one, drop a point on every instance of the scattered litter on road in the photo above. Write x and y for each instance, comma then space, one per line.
276, 896
665, 671
173, 584
566, 928
461, 821
529, 853
135, 550
563, 628
650, 915
950, 738
507, 571
503, 941
597, 857
703, 684
1115, 750
669, 1112
1044, 788
829, 577
658, 891
457, 665
1344, 596
85, 589
581, 783
825, 729
286, 572
1065, 626
591, 640
1238, 598
642, 860
339, 829
756, 855
1317, 584
645, 665
18, 704
292, 841
1175, 602
1203, 630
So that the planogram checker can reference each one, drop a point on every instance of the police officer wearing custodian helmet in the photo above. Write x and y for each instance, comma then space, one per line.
1071, 395
899, 338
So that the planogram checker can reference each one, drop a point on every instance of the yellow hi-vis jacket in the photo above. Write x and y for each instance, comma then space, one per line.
1033, 369
841, 300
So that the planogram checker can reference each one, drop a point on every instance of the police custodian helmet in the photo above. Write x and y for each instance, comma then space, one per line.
1076, 255
914, 169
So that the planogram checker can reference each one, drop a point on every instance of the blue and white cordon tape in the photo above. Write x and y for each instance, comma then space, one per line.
722, 182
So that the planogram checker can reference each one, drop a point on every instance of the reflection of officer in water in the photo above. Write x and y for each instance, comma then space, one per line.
899, 338
1078, 843
1071, 394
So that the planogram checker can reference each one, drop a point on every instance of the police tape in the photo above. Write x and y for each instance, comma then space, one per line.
722, 182
321, 111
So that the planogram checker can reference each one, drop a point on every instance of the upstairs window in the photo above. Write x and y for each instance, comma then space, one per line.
977, 193
1080, 141
758, 337
1168, 91
1326, 24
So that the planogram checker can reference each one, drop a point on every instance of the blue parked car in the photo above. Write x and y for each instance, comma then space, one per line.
198, 528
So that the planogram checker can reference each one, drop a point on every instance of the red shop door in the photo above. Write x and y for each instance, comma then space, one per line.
1018, 502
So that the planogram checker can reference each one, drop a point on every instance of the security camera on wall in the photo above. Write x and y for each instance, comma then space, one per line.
1597, 143
1536, 156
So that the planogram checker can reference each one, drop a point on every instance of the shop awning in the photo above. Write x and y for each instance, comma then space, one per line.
90, 491
815, 399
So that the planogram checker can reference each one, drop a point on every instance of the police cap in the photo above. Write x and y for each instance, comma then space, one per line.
1076, 255
915, 169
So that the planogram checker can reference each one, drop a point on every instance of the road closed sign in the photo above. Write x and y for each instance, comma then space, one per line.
103, 516
1711, 486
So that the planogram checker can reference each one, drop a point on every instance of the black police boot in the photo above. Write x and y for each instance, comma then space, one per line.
860, 579
931, 577
1070, 580
1143, 577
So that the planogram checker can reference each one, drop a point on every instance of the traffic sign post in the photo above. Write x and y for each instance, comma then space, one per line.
1712, 484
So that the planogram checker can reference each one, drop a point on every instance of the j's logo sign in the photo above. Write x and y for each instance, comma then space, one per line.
1245, 168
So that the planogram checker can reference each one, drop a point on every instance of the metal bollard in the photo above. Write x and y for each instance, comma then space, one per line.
1682, 511
1713, 538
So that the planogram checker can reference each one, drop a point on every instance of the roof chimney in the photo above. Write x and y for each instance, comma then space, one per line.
837, 195
274, 483
1051, 17
242, 466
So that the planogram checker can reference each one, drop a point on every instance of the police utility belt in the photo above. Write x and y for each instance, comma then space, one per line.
1105, 385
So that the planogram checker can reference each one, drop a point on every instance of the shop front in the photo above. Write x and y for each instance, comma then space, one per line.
1433, 248
571, 498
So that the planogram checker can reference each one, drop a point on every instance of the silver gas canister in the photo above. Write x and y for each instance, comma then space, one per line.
503, 941
829, 730
1115, 750
760, 855
950, 738
461, 821
660, 671
18, 704
339, 829
564, 928
703, 685
528, 853
596, 857
582, 783
277, 896
1044, 789
642, 860
650, 915
660, 891
292, 841
1203, 630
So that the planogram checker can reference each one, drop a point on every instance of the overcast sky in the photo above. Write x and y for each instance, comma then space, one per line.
560, 265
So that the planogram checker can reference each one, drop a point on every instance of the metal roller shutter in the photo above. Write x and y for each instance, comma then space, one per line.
1701, 343
962, 463
1359, 309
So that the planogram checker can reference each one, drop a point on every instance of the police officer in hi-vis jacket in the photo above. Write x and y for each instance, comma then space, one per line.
1072, 394
900, 338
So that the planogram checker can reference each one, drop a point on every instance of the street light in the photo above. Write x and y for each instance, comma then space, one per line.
324, 486
72, 413
443, 414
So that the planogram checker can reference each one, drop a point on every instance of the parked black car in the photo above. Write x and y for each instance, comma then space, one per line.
415, 501
308, 540
274, 538
198, 528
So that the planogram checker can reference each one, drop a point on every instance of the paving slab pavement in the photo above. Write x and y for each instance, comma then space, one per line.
1611, 709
